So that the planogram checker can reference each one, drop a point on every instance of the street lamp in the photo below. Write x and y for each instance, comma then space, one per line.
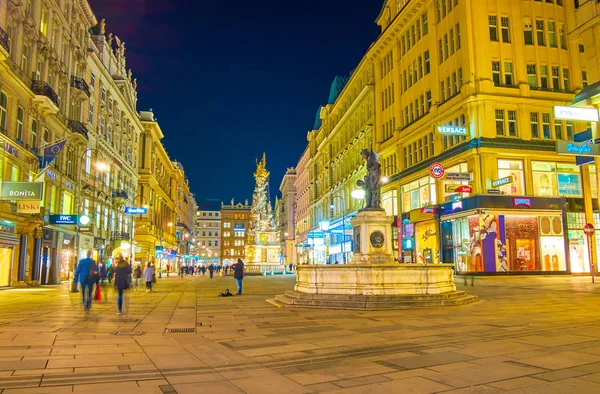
100, 166
332, 206
358, 194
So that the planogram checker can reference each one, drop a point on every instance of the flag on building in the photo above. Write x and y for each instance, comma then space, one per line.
50, 153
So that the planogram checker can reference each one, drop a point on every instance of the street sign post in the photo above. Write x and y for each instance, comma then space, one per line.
589, 230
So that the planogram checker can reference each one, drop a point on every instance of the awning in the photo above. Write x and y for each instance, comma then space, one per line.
587, 93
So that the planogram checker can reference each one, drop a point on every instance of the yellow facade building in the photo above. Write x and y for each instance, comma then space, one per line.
469, 91
185, 210
155, 232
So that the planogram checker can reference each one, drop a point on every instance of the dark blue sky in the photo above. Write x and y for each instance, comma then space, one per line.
228, 80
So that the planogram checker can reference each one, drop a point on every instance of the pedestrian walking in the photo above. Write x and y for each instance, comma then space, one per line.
122, 281
211, 269
203, 270
238, 274
137, 274
168, 269
111, 271
149, 277
86, 274
291, 267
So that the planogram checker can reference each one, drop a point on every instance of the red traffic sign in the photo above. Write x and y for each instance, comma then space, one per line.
464, 189
588, 229
437, 170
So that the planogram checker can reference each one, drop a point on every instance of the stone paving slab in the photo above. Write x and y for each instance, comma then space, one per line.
528, 335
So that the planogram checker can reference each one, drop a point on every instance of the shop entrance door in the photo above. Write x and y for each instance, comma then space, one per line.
5, 265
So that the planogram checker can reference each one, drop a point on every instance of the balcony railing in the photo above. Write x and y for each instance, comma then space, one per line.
120, 194
116, 236
79, 83
78, 127
4, 40
41, 88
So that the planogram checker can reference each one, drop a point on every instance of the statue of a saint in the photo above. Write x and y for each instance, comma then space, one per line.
103, 26
372, 181
110, 39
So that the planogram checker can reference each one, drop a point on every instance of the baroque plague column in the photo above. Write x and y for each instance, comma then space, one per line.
263, 245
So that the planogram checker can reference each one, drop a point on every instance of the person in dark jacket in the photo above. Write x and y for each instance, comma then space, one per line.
86, 274
238, 274
122, 274
137, 274
211, 269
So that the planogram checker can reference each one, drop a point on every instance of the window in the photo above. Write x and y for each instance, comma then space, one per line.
505, 29
24, 57
584, 79
418, 30
425, 25
531, 76
451, 41
570, 130
20, 115
535, 127
555, 78
446, 50
563, 39
93, 80
558, 132
457, 36
552, 34
493, 27
508, 74
103, 96
514, 170
551, 179
566, 79
3, 105
442, 92
539, 29
427, 64
454, 84
544, 76
581, 48
499, 122
428, 96
34, 130
546, 126
512, 123
449, 91
44, 22
420, 61
528, 32
496, 73
91, 113
441, 51
418, 194
460, 78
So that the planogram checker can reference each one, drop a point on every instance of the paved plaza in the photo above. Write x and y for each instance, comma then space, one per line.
526, 335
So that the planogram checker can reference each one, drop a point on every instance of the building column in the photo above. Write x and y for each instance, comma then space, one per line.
54, 270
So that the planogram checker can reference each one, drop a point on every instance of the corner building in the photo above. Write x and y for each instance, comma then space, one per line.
472, 87
235, 222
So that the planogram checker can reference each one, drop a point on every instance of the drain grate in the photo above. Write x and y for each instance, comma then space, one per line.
178, 330
129, 333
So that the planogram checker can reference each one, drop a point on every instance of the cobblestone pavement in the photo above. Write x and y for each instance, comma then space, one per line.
527, 335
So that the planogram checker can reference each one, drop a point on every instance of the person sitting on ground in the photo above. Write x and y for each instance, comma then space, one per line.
227, 293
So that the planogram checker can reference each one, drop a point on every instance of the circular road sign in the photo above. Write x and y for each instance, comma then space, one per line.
437, 170
588, 229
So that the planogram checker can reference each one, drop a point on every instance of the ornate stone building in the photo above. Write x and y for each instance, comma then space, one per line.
185, 209
208, 232
43, 92
235, 225
302, 208
286, 214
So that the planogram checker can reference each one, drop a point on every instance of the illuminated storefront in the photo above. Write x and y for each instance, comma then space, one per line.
8, 241
501, 234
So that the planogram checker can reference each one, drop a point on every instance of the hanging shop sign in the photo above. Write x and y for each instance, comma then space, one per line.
28, 207
502, 181
522, 202
69, 219
22, 191
573, 113
437, 170
457, 205
452, 130
8, 228
585, 136
458, 189
577, 148
136, 210
493, 191
429, 210
459, 176
51, 174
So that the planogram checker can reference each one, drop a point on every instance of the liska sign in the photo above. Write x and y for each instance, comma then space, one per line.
577, 148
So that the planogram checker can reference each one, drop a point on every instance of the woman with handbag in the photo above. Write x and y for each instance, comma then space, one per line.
122, 275
149, 276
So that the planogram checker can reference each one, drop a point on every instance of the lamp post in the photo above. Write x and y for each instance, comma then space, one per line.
332, 206
100, 166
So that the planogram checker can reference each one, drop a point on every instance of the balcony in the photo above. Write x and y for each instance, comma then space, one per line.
4, 45
116, 236
120, 194
79, 88
77, 127
46, 97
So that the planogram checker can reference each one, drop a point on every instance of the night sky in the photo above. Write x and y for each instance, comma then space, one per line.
228, 80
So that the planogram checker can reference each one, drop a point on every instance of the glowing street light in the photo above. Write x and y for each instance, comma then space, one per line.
384, 179
358, 194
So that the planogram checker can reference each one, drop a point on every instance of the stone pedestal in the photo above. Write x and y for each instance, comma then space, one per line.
373, 280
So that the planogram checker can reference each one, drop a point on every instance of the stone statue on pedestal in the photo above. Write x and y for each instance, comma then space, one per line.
372, 181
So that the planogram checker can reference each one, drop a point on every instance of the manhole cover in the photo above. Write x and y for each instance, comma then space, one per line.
129, 333
178, 330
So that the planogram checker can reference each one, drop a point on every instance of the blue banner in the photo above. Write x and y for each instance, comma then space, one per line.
50, 153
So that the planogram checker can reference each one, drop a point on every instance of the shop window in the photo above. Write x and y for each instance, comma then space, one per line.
514, 170
389, 202
555, 179
418, 194
450, 195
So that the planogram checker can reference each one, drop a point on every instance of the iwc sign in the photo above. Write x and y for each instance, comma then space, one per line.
377, 239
